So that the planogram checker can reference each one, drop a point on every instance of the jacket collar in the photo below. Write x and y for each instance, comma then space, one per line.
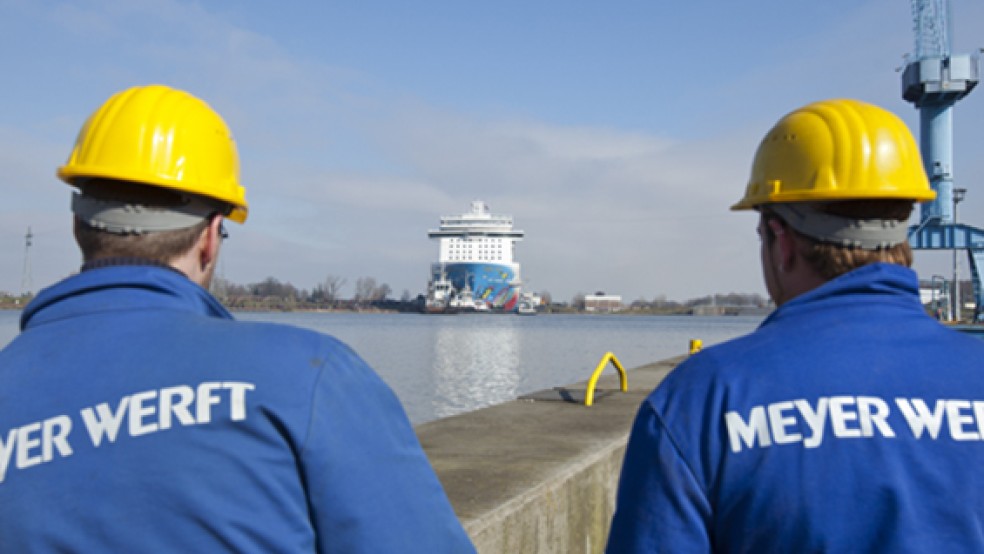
120, 288
889, 282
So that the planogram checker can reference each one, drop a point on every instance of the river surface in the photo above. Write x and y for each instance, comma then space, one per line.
444, 365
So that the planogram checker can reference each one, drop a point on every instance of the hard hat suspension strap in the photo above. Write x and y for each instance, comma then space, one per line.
869, 234
124, 218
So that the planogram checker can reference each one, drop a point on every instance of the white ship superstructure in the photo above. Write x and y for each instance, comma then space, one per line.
476, 255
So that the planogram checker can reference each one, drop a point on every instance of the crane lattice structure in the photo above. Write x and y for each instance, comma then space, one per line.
934, 80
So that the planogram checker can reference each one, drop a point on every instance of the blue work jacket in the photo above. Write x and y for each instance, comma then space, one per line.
850, 421
137, 416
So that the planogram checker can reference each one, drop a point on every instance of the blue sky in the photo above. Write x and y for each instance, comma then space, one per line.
616, 133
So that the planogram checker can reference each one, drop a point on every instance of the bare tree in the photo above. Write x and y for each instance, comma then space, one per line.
327, 290
381, 292
365, 289
272, 288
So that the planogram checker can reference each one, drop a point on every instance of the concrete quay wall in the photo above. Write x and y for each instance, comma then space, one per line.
538, 475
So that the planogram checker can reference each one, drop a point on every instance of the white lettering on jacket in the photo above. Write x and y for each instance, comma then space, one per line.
142, 413
852, 417
35, 443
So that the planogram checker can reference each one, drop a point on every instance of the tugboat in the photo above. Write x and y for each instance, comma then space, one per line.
439, 296
526, 305
464, 301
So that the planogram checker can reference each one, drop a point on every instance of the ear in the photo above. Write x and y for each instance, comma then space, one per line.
209, 243
785, 242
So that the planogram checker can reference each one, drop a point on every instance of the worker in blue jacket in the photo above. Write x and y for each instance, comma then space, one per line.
850, 420
137, 416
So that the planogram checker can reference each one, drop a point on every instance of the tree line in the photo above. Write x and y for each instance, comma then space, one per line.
713, 303
273, 294
368, 293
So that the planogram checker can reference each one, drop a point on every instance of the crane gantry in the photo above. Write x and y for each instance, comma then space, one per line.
934, 80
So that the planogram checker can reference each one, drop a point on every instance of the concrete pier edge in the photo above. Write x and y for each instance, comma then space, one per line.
538, 474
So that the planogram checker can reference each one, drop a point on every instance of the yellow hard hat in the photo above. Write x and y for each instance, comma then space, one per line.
160, 136
837, 150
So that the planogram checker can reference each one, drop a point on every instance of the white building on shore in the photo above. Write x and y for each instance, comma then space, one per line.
601, 302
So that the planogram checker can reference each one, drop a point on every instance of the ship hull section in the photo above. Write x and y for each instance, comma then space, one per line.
497, 285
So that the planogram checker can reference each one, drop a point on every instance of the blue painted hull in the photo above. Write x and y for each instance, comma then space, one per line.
494, 284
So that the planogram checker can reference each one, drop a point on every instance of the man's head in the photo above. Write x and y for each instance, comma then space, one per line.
834, 182
156, 171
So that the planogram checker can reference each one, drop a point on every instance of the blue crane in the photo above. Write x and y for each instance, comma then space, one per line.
934, 80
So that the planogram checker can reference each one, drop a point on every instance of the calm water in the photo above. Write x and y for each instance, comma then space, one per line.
444, 365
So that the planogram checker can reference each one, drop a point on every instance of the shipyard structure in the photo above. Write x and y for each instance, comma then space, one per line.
475, 268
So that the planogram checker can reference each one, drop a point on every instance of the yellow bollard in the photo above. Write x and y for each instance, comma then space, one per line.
623, 378
695, 346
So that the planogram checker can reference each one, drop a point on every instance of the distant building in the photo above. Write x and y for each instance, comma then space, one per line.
601, 302
936, 296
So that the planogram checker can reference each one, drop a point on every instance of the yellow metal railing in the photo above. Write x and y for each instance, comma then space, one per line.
695, 346
589, 393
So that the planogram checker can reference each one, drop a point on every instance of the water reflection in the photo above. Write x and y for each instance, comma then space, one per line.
475, 367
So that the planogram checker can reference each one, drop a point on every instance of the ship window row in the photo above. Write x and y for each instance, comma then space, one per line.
457, 255
472, 259
476, 222
470, 251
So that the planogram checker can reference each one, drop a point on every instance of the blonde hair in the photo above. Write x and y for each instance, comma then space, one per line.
832, 260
